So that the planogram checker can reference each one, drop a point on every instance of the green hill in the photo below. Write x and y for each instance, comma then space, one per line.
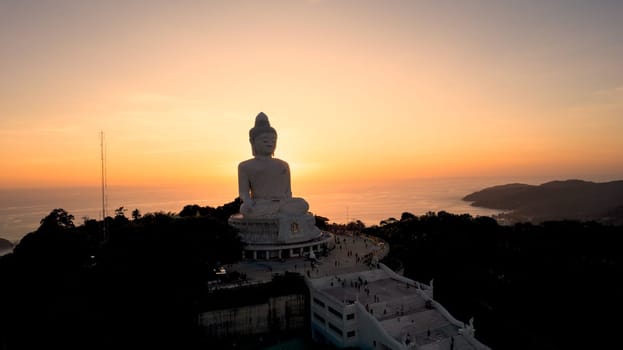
556, 200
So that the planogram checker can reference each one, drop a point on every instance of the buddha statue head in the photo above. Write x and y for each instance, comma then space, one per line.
263, 137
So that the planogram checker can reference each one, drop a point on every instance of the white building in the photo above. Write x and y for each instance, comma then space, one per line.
379, 309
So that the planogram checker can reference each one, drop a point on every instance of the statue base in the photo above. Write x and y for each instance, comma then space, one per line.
278, 230
280, 237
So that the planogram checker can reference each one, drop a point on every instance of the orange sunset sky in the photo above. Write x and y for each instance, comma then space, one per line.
358, 90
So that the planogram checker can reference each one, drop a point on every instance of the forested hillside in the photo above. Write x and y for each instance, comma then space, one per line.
556, 200
136, 284
555, 285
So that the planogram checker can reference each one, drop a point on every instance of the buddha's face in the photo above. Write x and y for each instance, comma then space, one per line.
264, 144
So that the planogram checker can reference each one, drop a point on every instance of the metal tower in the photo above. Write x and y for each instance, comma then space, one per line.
104, 188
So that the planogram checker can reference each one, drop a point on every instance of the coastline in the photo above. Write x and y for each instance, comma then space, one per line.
22, 209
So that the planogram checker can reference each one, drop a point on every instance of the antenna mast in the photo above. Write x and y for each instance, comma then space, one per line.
104, 188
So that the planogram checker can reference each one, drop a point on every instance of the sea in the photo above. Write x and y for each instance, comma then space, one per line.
21, 209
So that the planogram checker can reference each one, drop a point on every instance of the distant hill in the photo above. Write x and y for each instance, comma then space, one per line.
556, 200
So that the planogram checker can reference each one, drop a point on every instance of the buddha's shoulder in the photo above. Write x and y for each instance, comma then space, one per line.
257, 163
279, 161
246, 162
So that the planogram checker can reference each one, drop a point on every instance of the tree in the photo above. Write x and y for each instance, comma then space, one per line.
136, 214
388, 221
120, 218
57, 245
407, 216
191, 210
356, 226
321, 222
57, 219
120, 212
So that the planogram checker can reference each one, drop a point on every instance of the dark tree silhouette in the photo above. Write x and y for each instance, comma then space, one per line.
321, 222
57, 219
526, 285
120, 212
68, 289
407, 216
136, 214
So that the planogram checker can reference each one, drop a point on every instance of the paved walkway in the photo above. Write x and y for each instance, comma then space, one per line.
351, 254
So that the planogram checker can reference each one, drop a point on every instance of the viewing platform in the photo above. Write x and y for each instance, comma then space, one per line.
379, 309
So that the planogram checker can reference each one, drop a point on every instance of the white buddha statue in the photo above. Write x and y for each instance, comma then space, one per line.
264, 181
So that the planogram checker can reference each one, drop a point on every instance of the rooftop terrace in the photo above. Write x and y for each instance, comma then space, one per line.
404, 308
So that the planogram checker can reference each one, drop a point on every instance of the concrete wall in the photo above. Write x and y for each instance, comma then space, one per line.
368, 332
372, 335
282, 313
343, 324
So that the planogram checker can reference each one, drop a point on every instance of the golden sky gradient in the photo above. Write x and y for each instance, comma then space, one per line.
357, 90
